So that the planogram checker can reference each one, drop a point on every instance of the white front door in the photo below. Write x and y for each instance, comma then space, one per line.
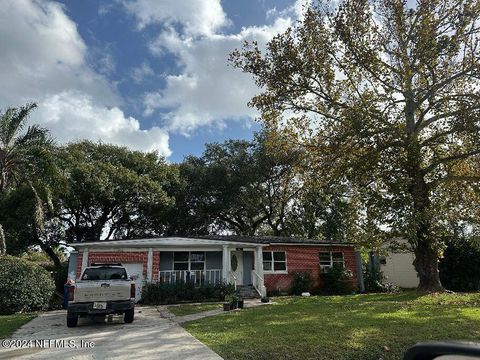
136, 272
236, 264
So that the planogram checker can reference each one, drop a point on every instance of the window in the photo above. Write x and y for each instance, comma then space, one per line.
267, 261
197, 260
104, 273
180, 260
328, 259
184, 260
274, 261
325, 260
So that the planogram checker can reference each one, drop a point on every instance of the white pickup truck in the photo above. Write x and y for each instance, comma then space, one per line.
103, 289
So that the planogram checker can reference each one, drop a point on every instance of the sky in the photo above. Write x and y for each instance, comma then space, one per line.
148, 74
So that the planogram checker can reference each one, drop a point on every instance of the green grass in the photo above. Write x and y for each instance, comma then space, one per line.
187, 309
369, 326
10, 323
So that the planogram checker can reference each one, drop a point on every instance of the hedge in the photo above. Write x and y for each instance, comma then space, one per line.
165, 293
460, 265
24, 286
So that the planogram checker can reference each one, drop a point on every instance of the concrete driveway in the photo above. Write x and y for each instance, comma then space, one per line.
148, 337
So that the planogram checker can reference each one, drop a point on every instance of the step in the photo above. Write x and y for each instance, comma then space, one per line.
247, 292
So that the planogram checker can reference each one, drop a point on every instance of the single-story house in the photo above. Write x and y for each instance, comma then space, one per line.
265, 263
395, 261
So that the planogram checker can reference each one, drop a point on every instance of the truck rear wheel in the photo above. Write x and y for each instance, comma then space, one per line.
129, 315
72, 321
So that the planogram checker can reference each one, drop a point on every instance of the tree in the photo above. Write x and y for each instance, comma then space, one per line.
228, 187
188, 217
386, 96
107, 191
24, 159
318, 214
28, 220
238, 186
282, 181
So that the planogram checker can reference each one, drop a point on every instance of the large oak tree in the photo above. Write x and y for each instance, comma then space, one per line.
386, 95
107, 191
238, 186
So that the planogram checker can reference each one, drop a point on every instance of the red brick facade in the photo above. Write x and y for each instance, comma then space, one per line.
140, 257
155, 265
299, 258
306, 259
79, 264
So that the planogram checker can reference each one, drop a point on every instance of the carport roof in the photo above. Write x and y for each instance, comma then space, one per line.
237, 240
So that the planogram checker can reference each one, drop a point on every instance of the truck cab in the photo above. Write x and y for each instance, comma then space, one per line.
103, 289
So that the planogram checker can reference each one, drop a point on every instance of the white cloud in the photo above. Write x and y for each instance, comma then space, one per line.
101, 59
199, 17
41, 51
296, 10
44, 59
141, 72
104, 9
110, 124
207, 90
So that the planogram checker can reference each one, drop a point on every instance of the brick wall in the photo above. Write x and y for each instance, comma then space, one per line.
120, 257
155, 265
306, 258
79, 264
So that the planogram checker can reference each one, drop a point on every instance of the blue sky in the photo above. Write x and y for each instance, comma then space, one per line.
148, 74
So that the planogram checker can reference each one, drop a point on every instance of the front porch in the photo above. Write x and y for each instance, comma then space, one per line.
237, 266
199, 261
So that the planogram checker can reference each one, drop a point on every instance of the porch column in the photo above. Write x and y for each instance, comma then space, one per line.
84, 260
259, 270
225, 258
149, 265
259, 261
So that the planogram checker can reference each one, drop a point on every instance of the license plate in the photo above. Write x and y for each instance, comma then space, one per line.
100, 305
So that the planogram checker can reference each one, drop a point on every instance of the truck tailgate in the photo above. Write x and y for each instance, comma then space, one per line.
105, 291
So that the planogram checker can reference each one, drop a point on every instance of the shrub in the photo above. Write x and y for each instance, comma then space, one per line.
338, 280
24, 286
460, 266
302, 282
376, 282
165, 293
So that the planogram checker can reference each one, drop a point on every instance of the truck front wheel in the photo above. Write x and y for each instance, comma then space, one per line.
72, 321
129, 315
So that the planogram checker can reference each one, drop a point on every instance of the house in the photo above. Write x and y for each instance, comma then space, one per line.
265, 263
395, 261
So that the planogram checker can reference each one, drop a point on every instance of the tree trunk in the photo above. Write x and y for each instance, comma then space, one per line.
426, 264
3, 244
46, 248
425, 244
51, 254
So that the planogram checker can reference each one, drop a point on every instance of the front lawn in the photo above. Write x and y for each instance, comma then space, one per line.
187, 309
10, 323
369, 326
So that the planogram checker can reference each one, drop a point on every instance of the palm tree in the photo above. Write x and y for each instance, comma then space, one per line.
22, 152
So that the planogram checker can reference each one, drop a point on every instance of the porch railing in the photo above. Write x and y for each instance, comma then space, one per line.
197, 277
258, 284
